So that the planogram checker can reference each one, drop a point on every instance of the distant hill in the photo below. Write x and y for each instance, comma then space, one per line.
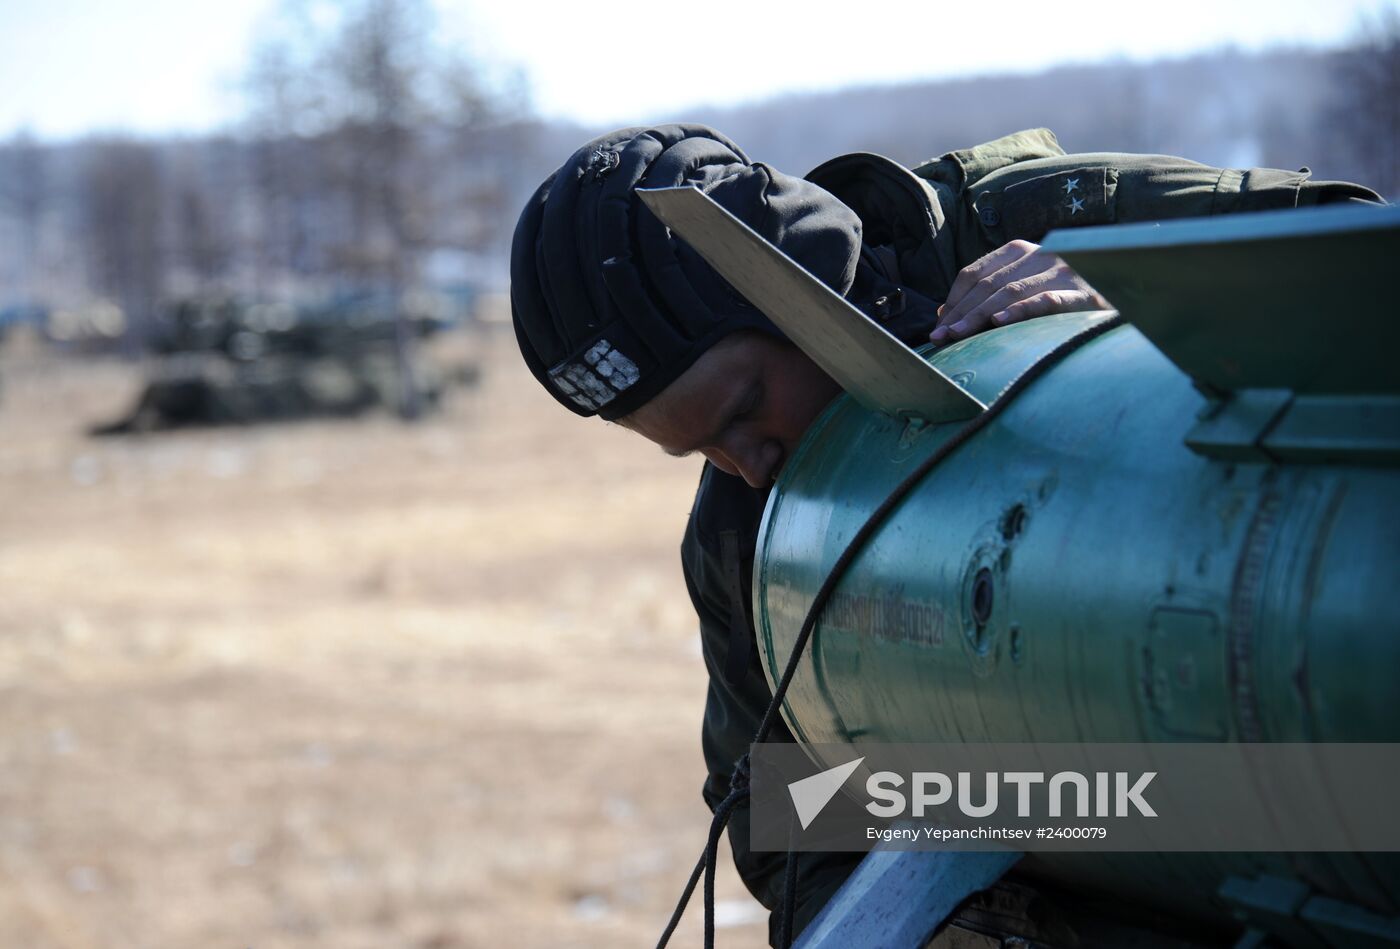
141, 221
1223, 108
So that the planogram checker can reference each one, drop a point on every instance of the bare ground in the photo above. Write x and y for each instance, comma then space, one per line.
343, 683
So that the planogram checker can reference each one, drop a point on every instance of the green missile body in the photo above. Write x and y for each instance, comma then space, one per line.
1145, 546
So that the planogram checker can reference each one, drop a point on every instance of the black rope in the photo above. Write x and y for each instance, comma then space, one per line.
739, 787
785, 921
684, 901
738, 791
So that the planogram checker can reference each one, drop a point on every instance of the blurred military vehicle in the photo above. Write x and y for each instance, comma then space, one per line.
221, 361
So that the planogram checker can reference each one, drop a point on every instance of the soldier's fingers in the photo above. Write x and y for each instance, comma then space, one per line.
991, 284
1047, 302
1059, 288
975, 274
1032, 286
1013, 290
994, 294
971, 280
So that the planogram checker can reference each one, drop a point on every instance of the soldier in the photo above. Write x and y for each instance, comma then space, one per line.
617, 318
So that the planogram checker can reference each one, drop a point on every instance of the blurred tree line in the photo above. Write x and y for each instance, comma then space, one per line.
1336, 112
374, 158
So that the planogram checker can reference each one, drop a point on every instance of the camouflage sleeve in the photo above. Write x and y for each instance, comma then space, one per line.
738, 696
1028, 199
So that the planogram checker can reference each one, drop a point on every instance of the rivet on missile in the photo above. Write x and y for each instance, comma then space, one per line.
982, 597
1013, 522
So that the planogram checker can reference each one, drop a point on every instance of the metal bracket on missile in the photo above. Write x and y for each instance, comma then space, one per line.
1289, 910
1297, 299
896, 899
1274, 425
878, 370
1278, 316
1230, 428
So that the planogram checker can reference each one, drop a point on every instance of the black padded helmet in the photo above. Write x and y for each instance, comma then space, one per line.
608, 306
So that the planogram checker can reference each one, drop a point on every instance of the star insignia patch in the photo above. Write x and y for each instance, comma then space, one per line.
1075, 206
1071, 184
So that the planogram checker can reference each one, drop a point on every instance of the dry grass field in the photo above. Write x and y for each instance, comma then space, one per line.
345, 684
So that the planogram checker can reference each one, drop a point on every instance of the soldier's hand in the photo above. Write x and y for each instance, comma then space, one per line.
1015, 282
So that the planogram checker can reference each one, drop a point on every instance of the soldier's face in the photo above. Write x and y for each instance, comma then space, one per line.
745, 404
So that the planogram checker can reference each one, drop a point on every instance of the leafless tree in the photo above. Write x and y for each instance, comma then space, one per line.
202, 242
25, 192
279, 96
1366, 111
121, 199
375, 105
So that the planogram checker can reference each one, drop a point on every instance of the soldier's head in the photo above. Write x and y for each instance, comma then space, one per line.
617, 318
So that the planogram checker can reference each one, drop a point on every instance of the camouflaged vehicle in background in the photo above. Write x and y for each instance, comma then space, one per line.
221, 361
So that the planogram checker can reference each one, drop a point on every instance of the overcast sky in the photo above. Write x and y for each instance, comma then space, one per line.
156, 66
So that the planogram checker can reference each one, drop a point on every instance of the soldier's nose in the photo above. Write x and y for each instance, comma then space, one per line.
759, 467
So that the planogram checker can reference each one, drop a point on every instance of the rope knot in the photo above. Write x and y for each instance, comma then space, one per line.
739, 780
